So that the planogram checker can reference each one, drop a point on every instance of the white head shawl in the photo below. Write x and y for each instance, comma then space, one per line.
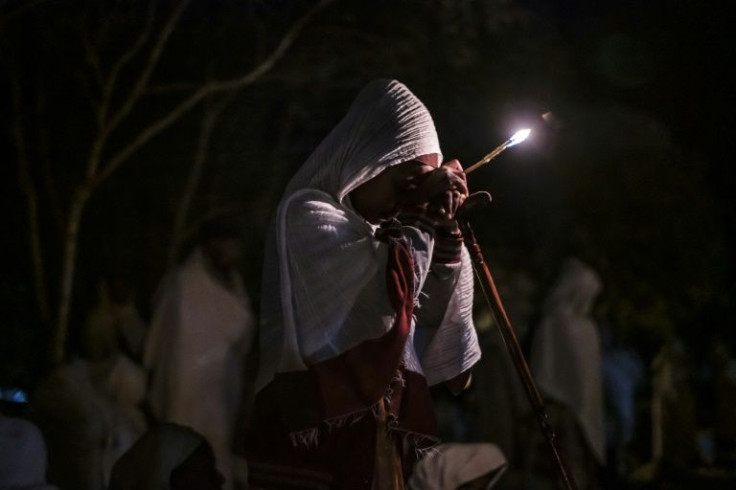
386, 125
22, 455
148, 464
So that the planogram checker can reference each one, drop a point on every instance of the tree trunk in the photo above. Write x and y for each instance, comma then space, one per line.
28, 187
34, 237
68, 270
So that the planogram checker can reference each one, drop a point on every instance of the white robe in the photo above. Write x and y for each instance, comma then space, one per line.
566, 352
449, 466
200, 336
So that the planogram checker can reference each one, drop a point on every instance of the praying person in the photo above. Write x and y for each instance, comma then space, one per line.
167, 457
367, 301
200, 339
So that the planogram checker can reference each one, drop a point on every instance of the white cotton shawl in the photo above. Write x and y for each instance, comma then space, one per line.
200, 336
566, 355
451, 465
324, 282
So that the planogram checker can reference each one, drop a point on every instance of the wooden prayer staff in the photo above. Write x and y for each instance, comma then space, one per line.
488, 286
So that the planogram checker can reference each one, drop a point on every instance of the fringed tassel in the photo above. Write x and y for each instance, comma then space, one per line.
310, 437
345, 420
422, 444
399, 377
421, 296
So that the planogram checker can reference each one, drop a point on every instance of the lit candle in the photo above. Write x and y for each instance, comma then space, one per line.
517, 138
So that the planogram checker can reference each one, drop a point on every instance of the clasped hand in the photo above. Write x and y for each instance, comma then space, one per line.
440, 191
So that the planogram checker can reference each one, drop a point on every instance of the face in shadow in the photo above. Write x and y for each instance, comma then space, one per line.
382, 197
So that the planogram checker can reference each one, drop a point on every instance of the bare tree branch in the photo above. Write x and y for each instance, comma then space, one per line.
277, 53
155, 55
21, 10
171, 88
29, 189
109, 85
207, 89
90, 53
99, 143
211, 114
68, 265
43, 151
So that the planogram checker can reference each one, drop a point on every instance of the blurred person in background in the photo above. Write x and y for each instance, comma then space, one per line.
199, 341
90, 413
22, 455
565, 359
114, 325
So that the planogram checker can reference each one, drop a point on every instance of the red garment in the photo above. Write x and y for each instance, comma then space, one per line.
331, 407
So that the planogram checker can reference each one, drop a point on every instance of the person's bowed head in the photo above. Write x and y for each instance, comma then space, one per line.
168, 456
418, 184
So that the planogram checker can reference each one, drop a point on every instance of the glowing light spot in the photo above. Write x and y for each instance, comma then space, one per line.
518, 137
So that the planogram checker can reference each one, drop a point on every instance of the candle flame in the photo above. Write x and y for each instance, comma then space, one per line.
518, 137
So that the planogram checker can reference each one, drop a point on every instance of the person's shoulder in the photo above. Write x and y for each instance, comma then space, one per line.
311, 199
312, 215
313, 205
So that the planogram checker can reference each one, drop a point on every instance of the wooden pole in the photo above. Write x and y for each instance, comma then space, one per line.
490, 292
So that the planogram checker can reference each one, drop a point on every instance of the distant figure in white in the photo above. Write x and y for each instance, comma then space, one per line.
114, 325
89, 408
566, 361
201, 333
22, 455
89, 413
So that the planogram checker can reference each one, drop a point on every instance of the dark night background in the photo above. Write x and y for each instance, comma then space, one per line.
632, 174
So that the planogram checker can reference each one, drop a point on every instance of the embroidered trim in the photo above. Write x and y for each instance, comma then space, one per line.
310, 437
306, 438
